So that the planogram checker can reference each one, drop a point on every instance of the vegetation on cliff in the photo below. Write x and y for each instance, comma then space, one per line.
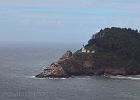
117, 48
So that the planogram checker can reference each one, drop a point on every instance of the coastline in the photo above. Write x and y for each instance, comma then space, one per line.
67, 67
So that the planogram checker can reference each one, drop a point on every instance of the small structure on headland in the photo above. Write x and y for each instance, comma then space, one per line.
83, 49
93, 51
87, 51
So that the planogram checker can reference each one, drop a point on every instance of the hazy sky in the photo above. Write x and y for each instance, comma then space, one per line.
64, 20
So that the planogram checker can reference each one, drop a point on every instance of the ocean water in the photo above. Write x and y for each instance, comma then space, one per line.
19, 63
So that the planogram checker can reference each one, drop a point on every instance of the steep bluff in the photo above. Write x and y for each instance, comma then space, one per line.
66, 66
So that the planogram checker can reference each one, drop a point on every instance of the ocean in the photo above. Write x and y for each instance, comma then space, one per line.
19, 63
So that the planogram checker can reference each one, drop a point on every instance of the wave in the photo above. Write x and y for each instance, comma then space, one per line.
114, 77
126, 77
43, 78
33, 77
57, 78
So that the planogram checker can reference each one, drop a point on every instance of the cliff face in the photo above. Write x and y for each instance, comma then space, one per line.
67, 66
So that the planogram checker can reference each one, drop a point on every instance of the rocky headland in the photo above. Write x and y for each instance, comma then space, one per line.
112, 51
67, 66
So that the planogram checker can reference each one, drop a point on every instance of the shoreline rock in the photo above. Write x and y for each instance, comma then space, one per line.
67, 66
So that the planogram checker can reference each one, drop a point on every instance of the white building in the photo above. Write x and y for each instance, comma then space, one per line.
93, 51
83, 49
88, 51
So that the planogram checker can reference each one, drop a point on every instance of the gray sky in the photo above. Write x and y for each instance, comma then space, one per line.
64, 20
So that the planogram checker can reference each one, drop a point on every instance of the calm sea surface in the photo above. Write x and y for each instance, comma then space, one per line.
20, 63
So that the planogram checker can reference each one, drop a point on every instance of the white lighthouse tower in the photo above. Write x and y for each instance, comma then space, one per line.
83, 49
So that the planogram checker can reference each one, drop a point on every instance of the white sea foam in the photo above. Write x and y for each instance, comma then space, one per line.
30, 76
33, 77
44, 78
57, 78
126, 77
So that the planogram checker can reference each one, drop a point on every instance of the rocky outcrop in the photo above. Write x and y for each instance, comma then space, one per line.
54, 70
111, 71
66, 66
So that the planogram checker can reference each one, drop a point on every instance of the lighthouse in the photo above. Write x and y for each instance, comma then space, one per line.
83, 49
